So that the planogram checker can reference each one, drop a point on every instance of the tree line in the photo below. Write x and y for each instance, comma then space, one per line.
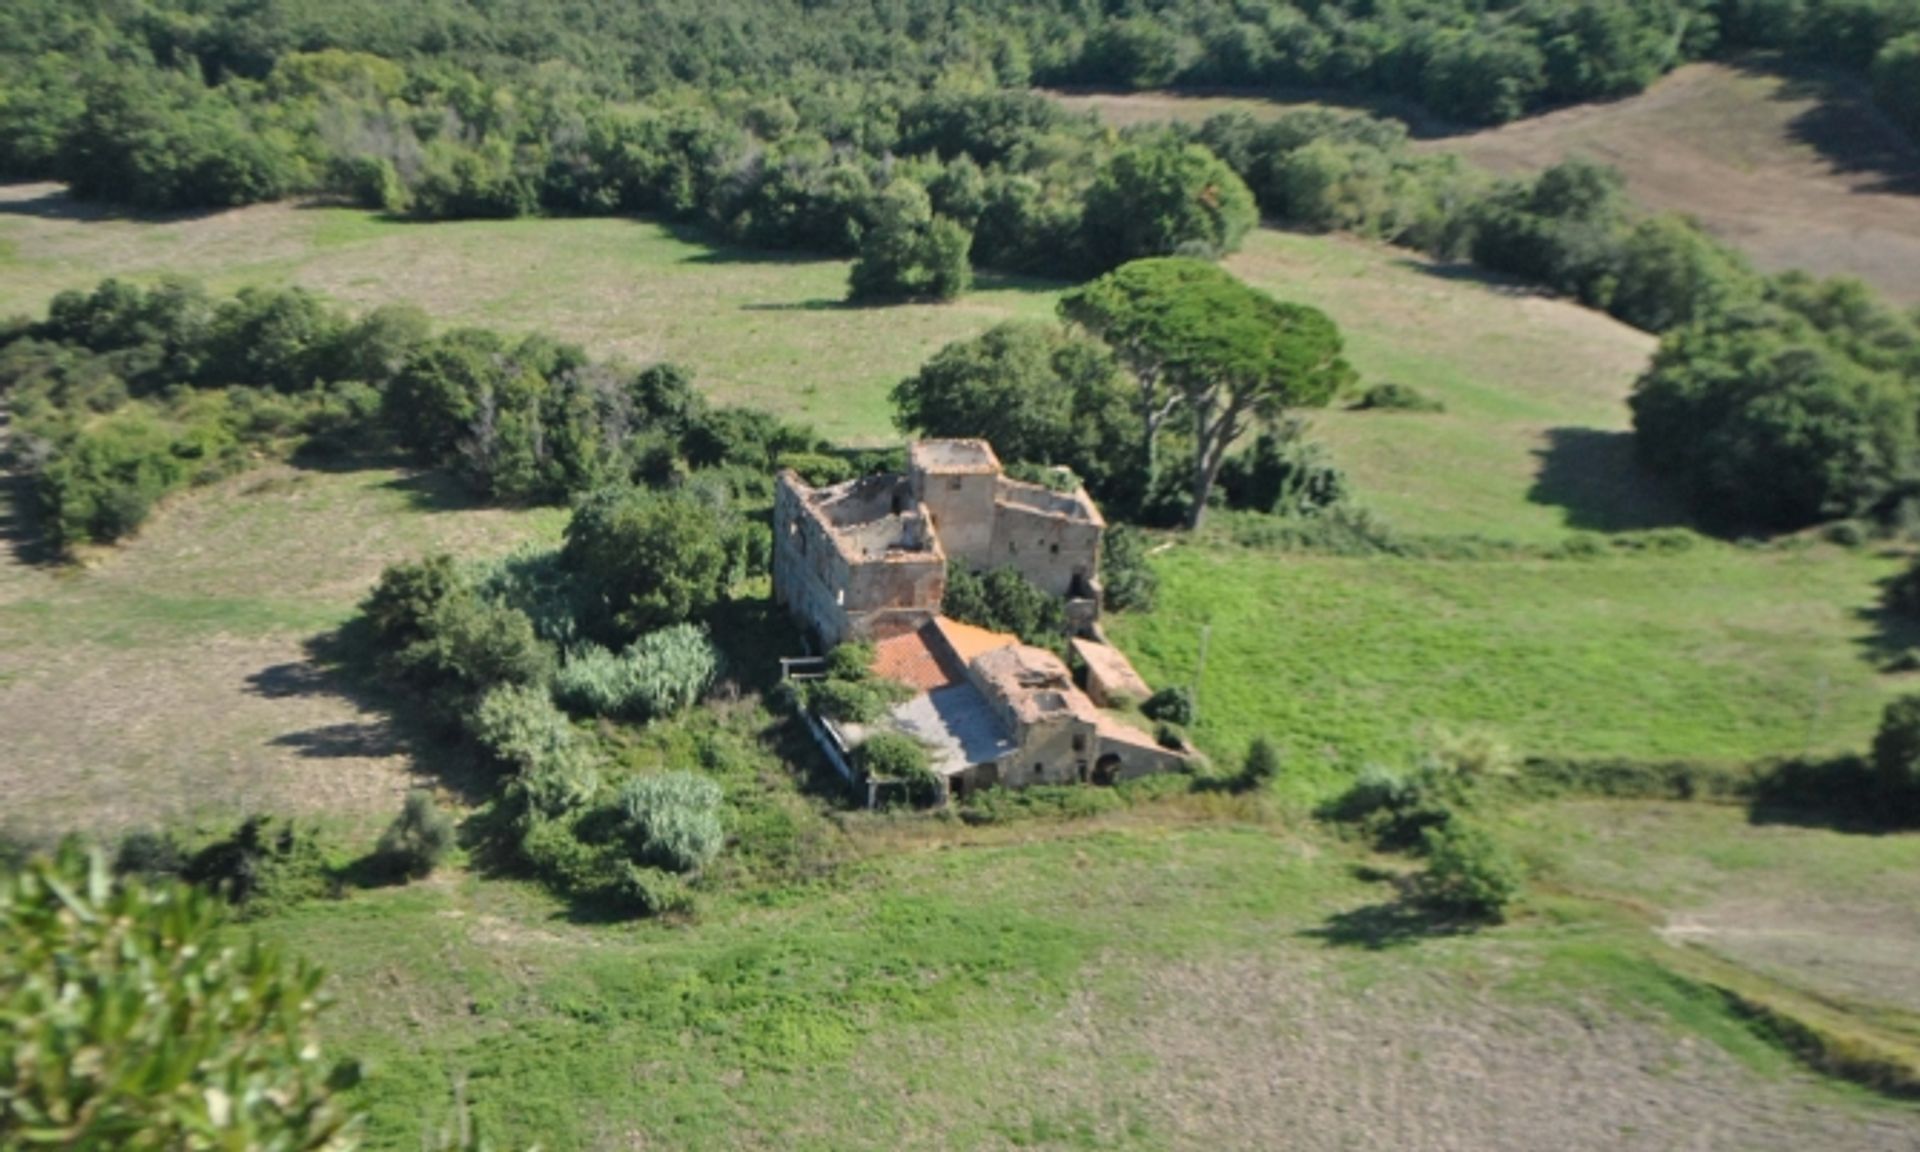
1467, 60
124, 394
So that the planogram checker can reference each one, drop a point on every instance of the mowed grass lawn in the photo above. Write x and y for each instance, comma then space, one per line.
1721, 652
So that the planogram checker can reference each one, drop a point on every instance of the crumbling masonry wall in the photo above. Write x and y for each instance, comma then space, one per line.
843, 597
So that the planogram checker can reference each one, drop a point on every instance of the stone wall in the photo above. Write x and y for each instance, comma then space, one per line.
1054, 552
840, 600
961, 505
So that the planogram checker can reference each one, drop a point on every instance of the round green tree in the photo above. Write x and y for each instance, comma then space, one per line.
1163, 199
907, 252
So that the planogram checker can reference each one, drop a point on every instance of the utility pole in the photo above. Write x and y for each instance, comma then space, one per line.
1200, 669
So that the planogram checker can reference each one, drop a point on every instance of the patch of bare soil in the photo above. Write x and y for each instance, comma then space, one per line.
1796, 169
1246, 1053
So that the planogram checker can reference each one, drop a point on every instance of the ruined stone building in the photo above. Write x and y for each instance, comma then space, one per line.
993, 711
868, 558
867, 561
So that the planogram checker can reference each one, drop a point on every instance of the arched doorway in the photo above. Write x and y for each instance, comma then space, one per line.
1106, 769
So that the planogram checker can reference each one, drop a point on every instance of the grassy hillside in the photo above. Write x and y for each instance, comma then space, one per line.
756, 327
1201, 972
1533, 441
1718, 653
1119, 985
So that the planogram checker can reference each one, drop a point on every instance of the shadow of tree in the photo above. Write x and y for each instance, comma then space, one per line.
1461, 272
22, 529
1891, 634
436, 490
1593, 475
1843, 124
340, 664
56, 203
1397, 923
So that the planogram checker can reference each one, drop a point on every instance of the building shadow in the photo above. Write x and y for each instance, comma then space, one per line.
1592, 474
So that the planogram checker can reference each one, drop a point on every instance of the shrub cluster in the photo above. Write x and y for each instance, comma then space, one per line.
660, 674
1003, 600
481, 643
125, 394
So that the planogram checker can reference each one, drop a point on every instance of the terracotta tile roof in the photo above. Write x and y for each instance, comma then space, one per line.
910, 659
968, 642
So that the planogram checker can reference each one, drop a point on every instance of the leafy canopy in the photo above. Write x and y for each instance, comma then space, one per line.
133, 1024
1202, 343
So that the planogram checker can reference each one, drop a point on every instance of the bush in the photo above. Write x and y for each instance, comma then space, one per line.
1397, 398
1392, 810
1767, 424
1261, 767
660, 674
1285, 474
418, 837
1005, 601
1162, 200
265, 865
149, 855
521, 728
908, 253
1127, 580
1172, 705
855, 701
897, 756
1468, 872
134, 1021
673, 820
437, 633
650, 559
852, 662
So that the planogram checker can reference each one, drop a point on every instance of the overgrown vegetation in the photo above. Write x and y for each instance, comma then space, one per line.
123, 395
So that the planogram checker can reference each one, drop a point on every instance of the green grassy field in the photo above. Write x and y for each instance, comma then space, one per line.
1718, 653
1131, 984
758, 328
1200, 972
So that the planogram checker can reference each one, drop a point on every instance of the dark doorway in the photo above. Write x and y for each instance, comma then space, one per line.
1106, 769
